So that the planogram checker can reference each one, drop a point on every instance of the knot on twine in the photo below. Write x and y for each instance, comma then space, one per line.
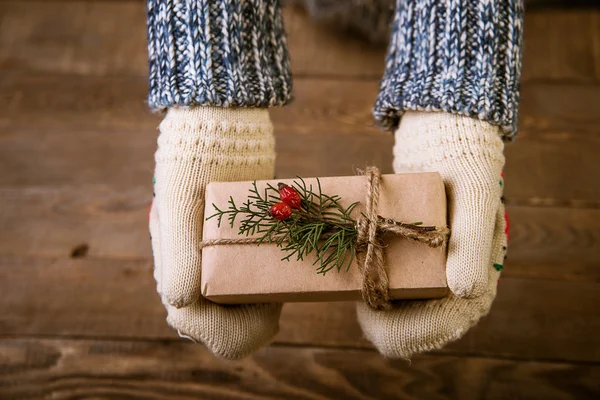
369, 243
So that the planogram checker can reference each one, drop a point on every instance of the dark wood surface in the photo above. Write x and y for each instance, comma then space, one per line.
79, 317
145, 369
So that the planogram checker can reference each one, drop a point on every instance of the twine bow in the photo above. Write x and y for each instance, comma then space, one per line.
369, 243
371, 228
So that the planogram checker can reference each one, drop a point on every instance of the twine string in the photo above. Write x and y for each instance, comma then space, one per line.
369, 248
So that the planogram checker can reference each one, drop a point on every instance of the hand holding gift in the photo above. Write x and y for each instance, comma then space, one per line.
469, 156
196, 146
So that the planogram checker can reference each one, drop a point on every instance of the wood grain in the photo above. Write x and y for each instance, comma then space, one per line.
61, 369
96, 298
79, 316
108, 38
562, 45
51, 125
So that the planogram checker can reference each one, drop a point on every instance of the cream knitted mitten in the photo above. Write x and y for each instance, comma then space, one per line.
196, 146
469, 155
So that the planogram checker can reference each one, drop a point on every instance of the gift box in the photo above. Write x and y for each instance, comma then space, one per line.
256, 273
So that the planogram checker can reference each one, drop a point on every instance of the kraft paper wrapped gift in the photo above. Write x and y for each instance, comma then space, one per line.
251, 273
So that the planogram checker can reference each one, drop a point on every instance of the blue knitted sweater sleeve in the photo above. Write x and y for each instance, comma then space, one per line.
217, 52
457, 56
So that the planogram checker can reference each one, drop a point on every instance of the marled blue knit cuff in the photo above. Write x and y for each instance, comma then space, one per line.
217, 52
457, 56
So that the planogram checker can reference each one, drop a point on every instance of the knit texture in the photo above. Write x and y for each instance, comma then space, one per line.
468, 155
457, 56
220, 53
197, 146
414, 327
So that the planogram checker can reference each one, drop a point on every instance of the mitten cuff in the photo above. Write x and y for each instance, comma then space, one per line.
457, 56
219, 53
222, 136
430, 138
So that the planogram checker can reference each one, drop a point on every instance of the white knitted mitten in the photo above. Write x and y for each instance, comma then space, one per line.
196, 146
468, 154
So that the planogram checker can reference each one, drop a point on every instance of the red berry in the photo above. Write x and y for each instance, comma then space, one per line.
289, 196
280, 211
507, 228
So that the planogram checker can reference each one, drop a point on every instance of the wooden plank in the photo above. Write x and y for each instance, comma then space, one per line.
93, 297
561, 45
554, 243
53, 222
90, 38
51, 125
169, 370
546, 243
538, 319
105, 38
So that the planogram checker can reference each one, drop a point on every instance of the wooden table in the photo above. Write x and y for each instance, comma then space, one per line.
79, 317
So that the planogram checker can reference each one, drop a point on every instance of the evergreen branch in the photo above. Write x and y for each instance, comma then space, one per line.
321, 226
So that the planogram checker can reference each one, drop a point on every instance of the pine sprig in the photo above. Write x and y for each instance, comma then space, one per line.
320, 226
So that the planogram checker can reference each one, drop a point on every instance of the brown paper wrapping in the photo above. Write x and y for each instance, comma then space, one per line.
248, 273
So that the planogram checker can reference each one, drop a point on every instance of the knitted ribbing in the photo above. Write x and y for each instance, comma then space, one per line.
458, 56
221, 53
